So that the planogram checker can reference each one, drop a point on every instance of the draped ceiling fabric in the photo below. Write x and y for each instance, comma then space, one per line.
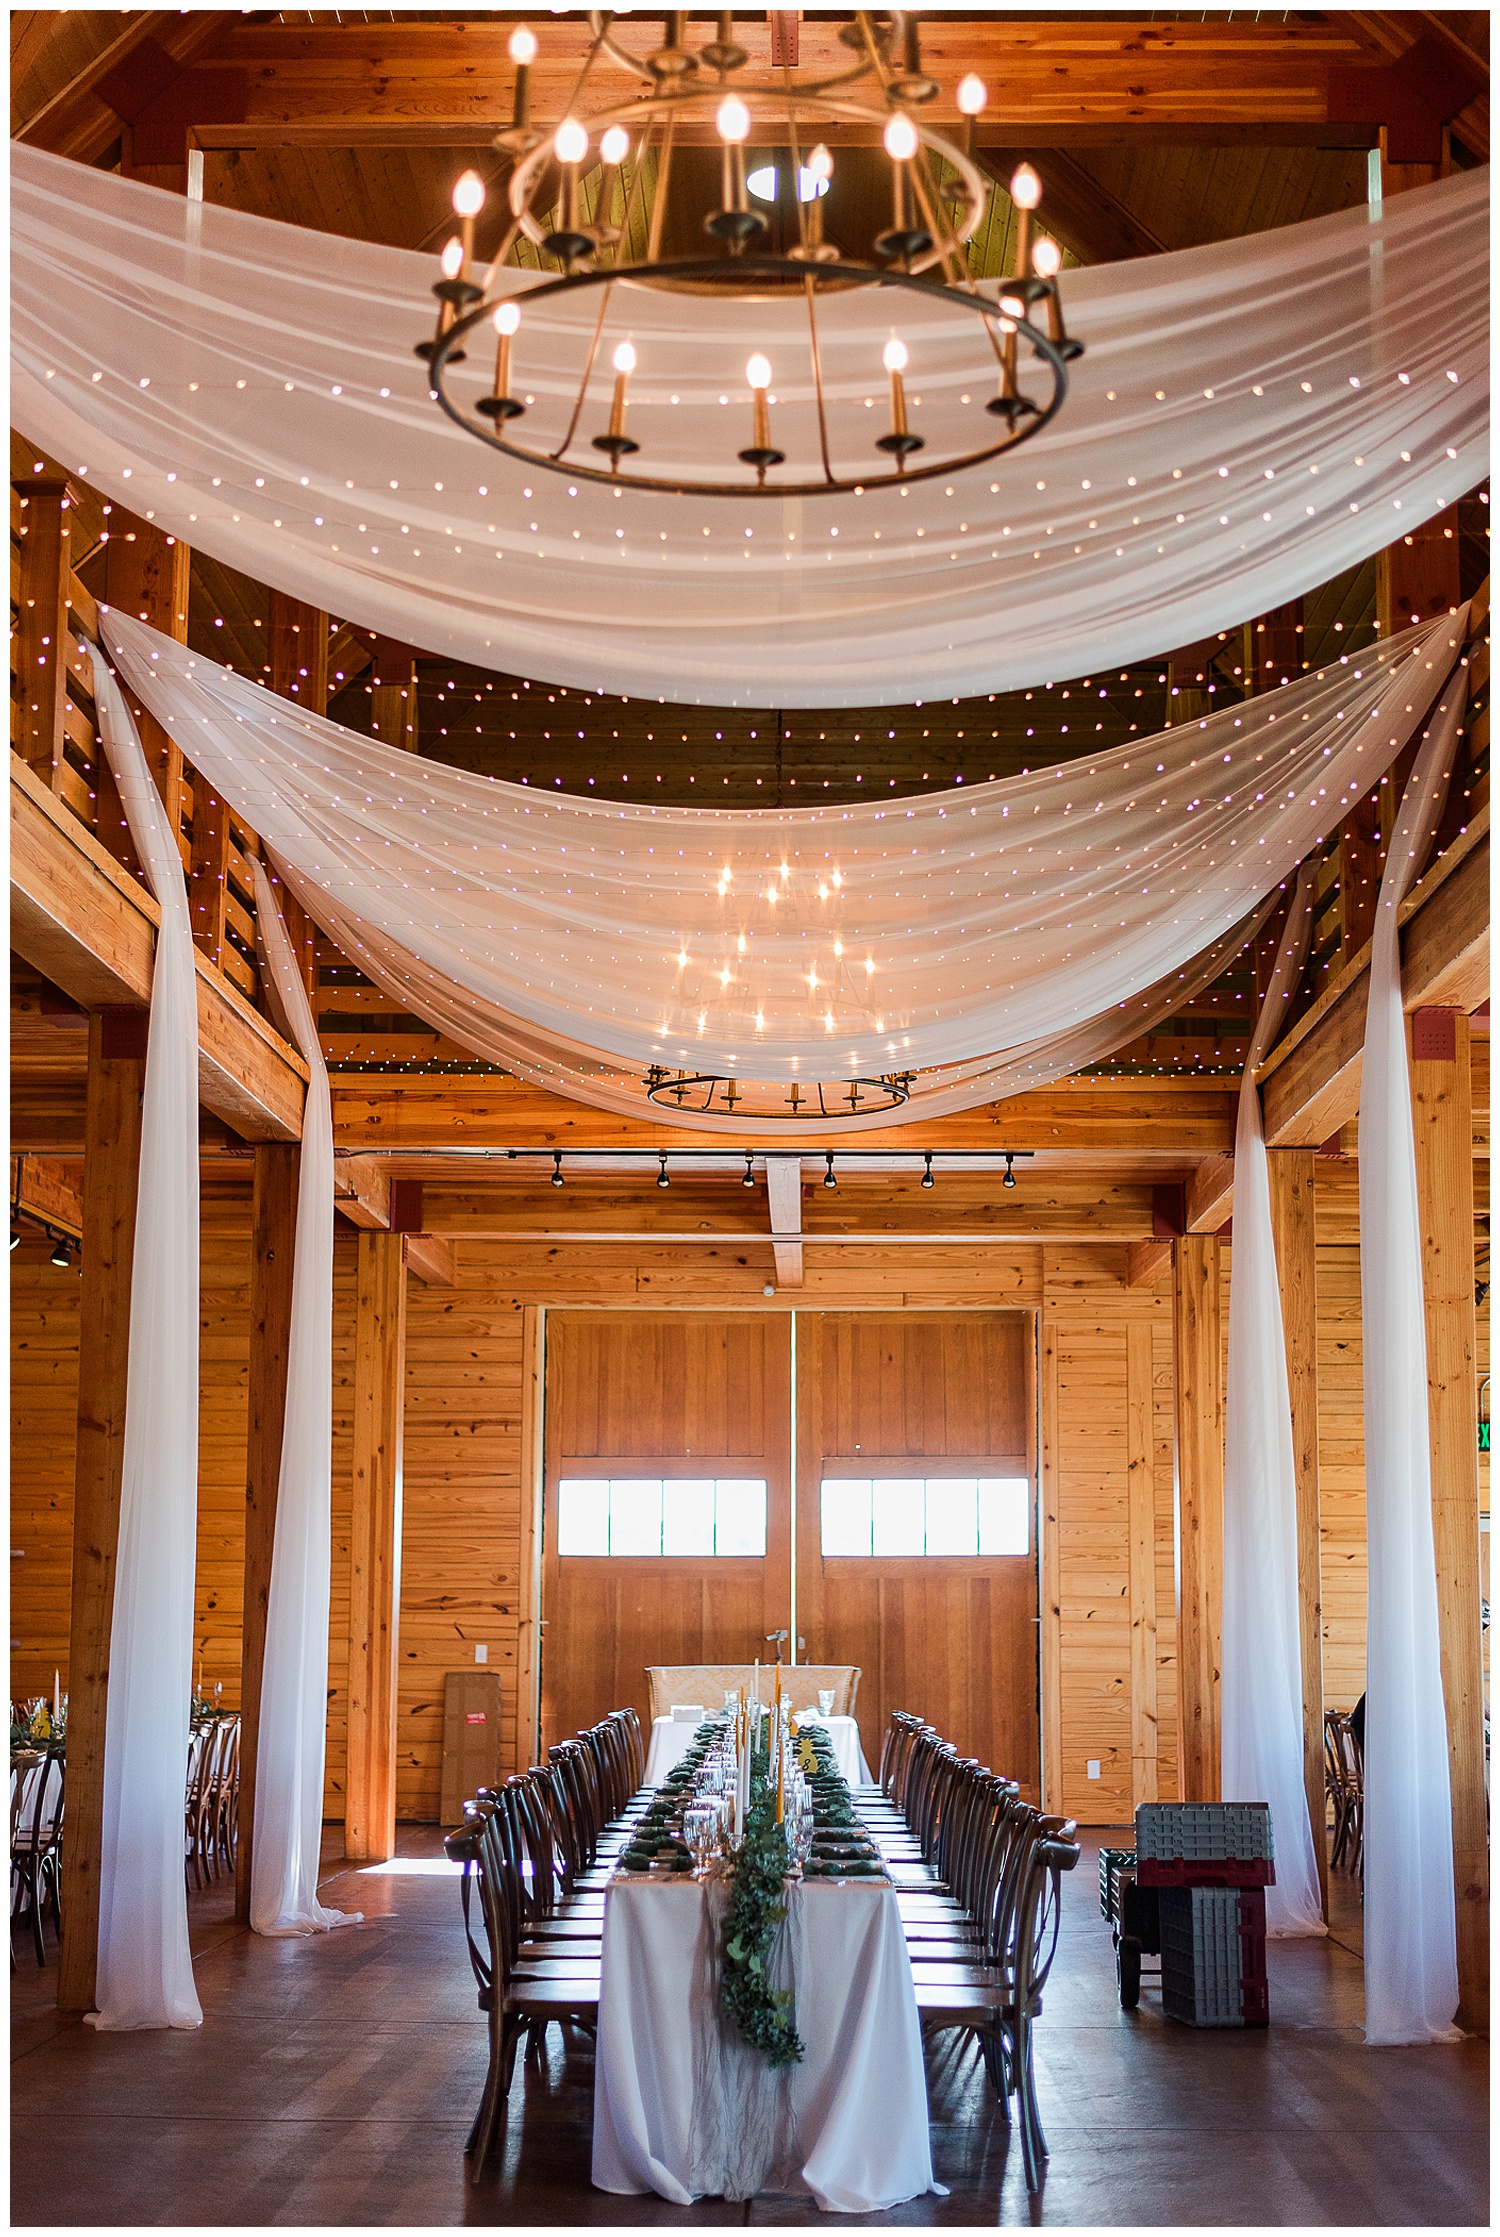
993, 935
292, 1730
1262, 1665
145, 1966
1250, 418
1411, 1948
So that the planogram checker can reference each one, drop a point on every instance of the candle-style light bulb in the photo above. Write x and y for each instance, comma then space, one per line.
906, 238
522, 53
1046, 258
451, 290
761, 452
570, 145
615, 145
468, 201
900, 440
734, 221
451, 259
971, 95
1025, 193
616, 442
811, 187
1046, 261
502, 405
732, 120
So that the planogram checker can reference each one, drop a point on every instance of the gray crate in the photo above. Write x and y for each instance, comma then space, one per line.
1200, 1956
1204, 1832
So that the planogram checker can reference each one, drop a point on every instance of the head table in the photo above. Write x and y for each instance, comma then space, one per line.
671, 1737
684, 2107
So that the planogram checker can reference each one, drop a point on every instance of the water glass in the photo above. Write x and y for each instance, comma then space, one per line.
700, 1829
825, 1700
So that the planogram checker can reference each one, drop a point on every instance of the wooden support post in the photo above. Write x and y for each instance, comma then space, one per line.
299, 652
146, 574
1443, 1116
1292, 1222
112, 1156
1141, 1479
529, 1646
42, 625
1051, 1592
1199, 1492
273, 1230
375, 1547
393, 702
208, 887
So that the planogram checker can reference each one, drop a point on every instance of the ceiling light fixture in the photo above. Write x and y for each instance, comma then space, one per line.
600, 194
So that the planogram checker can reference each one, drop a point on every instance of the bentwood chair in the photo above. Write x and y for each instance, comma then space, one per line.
36, 1842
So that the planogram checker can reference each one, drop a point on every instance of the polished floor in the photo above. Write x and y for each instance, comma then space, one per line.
333, 2081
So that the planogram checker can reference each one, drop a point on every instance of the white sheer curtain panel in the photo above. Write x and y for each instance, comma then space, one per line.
145, 1969
1262, 1676
1411, 1951
969, 938
1250, 418
294, 1683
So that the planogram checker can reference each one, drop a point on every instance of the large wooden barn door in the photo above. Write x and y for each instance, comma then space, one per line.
701, 1405
901, 1415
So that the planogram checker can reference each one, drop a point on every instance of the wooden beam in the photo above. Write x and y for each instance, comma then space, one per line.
1199, 1488
371, 128
1156, 1122
375, 1548
42, 637
273, 1233
432, 1259
533, 1480
89, 927
146, 574
1445, 1195
439, 75
1146, 1262
784, 1191
112, 1157
299, 652
80, 120
1294, 1227
362, 1191
1310, 1081
1141, 1529
1210, 1196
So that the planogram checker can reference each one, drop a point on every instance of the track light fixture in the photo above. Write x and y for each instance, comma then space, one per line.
927, 1181
749, 1179
557, 1171
15, 1235
61, 1255
1010, 1178
830, 1178
662, 1178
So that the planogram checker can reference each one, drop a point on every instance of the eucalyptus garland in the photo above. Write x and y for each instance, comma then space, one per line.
757, 1907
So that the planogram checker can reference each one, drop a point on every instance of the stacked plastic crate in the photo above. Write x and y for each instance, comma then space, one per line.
1210, 1863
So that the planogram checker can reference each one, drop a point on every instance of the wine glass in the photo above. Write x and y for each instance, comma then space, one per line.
700, 1831
825, 1700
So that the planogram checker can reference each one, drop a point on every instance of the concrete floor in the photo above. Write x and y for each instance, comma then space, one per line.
333, 2082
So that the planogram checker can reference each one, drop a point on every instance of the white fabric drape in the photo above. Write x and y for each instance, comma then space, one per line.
1262, 1666
578, 941
294, 1683
1411, 1952
145, 1967
683, 2106
1250, 418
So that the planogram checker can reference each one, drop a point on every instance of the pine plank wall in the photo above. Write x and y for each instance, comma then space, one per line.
461, 1534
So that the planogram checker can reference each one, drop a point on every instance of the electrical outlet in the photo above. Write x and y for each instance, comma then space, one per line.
482, 1654
1092, 1767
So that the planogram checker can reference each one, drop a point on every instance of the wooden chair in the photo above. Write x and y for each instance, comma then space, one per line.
37, 1793
1344, 1777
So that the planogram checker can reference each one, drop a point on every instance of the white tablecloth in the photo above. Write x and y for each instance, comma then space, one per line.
683, 2106
670, 1742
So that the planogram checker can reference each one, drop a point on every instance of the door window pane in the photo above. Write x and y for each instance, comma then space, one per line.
944, 1516
846, 1516
582, 1517
740, 1515
898, 1505
1004, 1514
687, 1523
952, 1515
635, 1515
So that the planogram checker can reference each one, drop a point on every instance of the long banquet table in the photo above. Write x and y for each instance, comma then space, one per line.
685, 2108
671, 1737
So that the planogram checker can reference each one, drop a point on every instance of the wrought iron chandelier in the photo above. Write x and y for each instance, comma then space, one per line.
582, 189
749, 1099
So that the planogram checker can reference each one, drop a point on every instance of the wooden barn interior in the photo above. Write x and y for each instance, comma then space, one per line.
1035, 1289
